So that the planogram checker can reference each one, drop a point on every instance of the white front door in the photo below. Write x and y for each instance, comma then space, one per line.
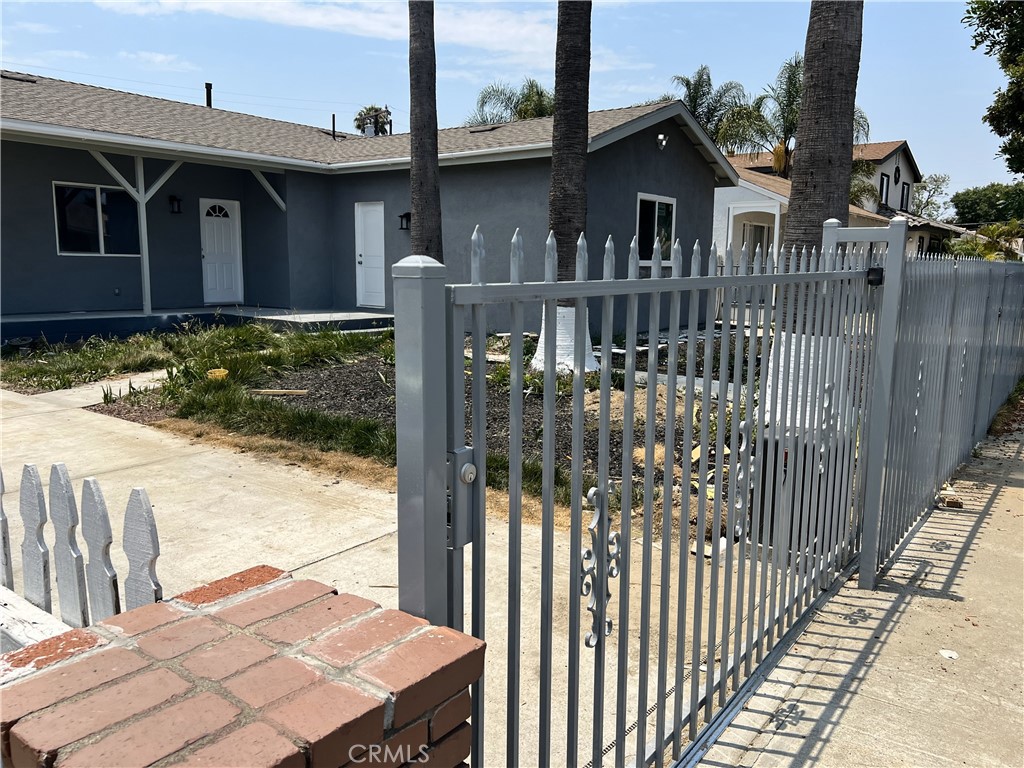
370, 254
220, 230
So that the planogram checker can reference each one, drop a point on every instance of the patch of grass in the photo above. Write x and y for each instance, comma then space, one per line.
250, 352
60, 366
228, 405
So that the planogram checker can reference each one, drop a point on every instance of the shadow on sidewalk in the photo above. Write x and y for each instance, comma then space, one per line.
792, 725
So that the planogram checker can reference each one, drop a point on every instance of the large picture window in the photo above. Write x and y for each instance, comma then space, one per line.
655, 223
96, 221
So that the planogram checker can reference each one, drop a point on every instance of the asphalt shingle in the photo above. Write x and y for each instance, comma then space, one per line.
60, 103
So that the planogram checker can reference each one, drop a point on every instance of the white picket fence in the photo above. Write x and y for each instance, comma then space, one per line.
87, 592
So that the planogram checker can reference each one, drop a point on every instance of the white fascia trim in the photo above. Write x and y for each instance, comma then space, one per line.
12, 129
524, 152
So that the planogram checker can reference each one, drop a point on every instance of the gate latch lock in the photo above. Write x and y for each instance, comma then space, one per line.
876, 276
461, 499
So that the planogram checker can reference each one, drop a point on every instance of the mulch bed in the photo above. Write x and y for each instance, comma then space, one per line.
365, 388
144, 408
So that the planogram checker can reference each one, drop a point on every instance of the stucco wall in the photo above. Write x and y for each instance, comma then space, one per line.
618, 172
310, 247
726, 196
391, 188
889, 167
175, 248
499, 197
265, 256
305, 259
34, 277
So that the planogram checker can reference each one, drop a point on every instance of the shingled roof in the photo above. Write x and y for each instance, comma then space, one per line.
876, 152
34, 105
781, 187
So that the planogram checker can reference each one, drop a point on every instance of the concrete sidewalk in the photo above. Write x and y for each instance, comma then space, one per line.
870, 683
217, 511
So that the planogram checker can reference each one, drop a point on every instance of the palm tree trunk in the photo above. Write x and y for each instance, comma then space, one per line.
824, 136
567, 202
424, 183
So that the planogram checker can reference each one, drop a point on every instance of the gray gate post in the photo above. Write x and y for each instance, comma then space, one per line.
880, 408
420, 417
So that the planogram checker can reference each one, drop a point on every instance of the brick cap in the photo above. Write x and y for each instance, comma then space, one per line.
49, 651
231, 585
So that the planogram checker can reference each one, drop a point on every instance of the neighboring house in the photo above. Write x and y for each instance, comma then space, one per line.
754, 212
244, 210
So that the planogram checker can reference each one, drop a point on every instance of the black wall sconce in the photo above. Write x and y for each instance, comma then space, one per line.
404, 219
175, 204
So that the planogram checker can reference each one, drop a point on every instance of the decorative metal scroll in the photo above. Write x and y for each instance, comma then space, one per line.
594, 572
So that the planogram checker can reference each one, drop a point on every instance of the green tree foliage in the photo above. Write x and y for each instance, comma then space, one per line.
767, 123
378, 117
500, 102
862, 183
706, 103
999, 29
992, 241
990, 203
930, 199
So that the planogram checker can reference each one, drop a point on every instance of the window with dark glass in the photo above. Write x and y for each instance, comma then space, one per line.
655, 224
96, 220
883, 189
905, 197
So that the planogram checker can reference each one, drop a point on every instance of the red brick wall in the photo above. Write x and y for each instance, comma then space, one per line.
252, 670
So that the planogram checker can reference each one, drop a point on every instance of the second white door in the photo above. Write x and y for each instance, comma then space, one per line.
370, 254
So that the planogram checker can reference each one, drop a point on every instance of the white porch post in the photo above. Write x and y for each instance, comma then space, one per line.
140, 188
141, 197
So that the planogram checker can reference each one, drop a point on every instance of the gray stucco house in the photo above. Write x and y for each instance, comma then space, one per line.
120, 204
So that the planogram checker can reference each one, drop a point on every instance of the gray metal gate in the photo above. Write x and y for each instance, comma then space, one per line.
613, 637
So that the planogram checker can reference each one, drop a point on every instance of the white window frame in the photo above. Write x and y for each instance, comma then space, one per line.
649, 262
884, 187
99, 221
906, 193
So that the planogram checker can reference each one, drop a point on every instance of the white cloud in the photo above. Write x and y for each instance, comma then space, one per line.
163, 62
32, 28
386, 21
491, 40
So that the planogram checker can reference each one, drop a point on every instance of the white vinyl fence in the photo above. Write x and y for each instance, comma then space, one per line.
87, 592
682, 534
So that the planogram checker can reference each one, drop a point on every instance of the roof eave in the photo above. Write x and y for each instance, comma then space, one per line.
27, 130
497, 154
754, 187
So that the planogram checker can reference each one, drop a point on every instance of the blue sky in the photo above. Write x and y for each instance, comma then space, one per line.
300, 61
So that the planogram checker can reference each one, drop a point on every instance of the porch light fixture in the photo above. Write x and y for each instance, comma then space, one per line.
404, 219
175, 204
662, 140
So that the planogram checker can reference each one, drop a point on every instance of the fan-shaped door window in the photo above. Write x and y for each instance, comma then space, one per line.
221, 241
218, 212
